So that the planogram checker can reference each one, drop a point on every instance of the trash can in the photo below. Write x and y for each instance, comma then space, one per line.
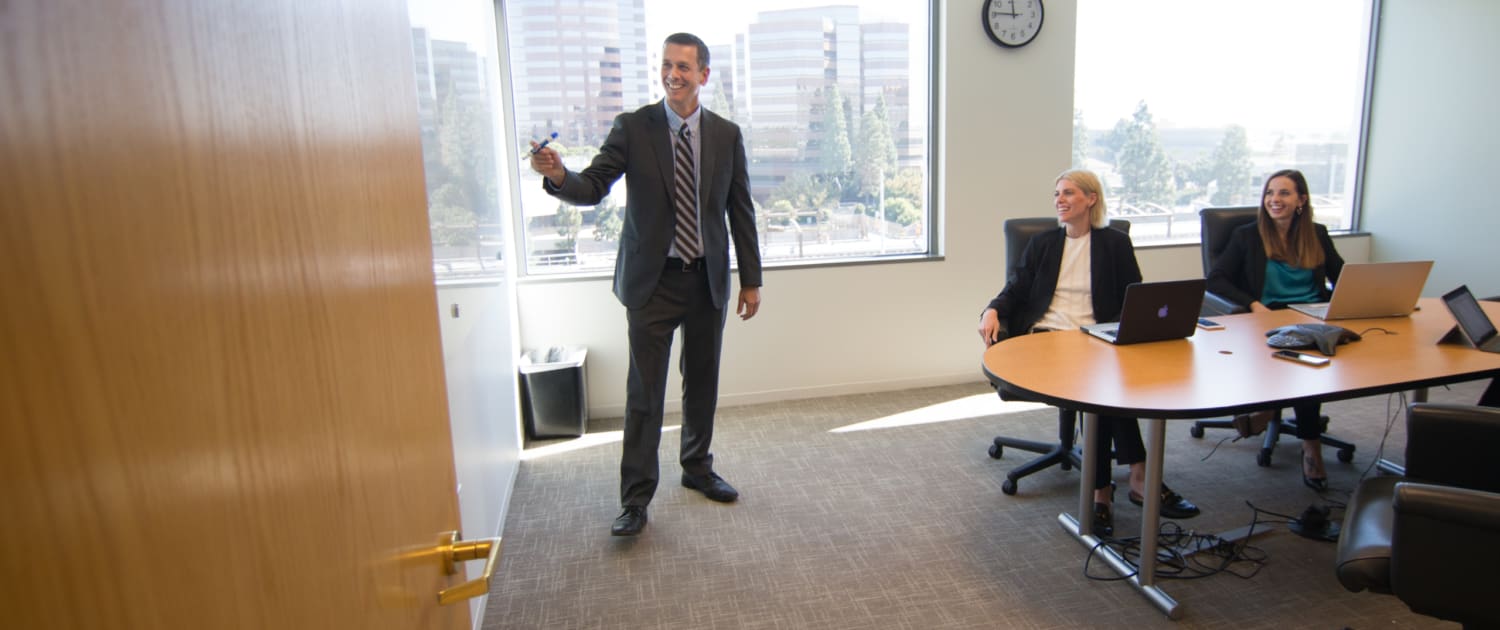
554, 392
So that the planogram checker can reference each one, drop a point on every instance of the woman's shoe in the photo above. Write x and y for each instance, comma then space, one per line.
1104, 520
1172, 504
1318, 484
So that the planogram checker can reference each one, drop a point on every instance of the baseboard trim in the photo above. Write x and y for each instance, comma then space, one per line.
801, 393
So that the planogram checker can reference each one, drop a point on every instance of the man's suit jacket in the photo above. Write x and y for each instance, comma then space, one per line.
639, 147
1028, 292
1239, 274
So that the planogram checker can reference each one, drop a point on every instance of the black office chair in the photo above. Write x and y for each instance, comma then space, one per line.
1427, 538
1064, 453
1217, 225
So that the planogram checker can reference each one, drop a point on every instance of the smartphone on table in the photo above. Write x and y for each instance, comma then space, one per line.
1299, 357
1208, 324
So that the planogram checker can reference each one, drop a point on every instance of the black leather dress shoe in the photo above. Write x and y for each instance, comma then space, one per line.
1104, 520
630, 522
1172, 504
712, 486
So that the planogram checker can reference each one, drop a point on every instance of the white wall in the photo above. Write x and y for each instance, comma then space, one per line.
1433, 141
1007, 125
479, 365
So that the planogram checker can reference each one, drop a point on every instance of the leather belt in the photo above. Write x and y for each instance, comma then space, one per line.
678, 264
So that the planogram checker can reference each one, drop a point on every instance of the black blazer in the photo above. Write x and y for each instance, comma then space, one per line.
1239, 274
639, 148
1028, 291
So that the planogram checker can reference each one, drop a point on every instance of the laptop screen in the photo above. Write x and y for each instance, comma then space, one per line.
1470, 316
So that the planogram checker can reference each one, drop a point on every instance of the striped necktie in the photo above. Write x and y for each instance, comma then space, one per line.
685, 197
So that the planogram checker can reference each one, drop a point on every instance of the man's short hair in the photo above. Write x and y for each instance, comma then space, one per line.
689, 39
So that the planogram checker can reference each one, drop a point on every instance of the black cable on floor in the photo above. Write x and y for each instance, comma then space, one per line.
1215, 449
1207, 554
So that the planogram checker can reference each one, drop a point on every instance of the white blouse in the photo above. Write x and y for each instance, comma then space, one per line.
1072, 303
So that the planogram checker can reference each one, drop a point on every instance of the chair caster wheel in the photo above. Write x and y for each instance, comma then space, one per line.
996, 451
1346, 455
1008, 487
1263, 459
1065, 465
1196, 431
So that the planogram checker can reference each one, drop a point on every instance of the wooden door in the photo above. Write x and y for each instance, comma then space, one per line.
222, 389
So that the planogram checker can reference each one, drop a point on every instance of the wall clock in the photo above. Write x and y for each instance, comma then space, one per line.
1012, 23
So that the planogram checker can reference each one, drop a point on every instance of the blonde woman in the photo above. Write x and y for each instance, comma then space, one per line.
1070, 277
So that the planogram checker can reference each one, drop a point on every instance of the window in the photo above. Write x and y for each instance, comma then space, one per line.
457, 108
1184, 104
833, 100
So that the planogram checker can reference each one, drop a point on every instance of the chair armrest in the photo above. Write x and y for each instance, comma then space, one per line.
1460, 507
1446, 444
1215, 304
1364, 553
1443, 556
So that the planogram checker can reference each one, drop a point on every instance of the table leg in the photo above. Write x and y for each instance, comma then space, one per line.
1086, 473
1143, 579
1151, 494
1392, 468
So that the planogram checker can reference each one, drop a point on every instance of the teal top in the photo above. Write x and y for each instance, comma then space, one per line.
1286, 284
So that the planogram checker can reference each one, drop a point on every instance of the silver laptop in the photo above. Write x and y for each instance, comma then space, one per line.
1473, 325
1154, 311
1388, 289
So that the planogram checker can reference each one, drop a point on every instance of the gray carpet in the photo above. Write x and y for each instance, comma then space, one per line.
902, 524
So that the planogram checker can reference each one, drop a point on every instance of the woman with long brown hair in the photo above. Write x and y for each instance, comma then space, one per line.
1283, 258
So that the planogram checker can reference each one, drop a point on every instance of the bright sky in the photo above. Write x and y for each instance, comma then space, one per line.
717, 21
467, 21
1201, 79
1194, 75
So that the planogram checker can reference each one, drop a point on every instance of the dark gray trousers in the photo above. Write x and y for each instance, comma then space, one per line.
682, 299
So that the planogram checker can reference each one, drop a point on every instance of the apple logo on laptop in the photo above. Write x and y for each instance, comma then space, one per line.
1161, 313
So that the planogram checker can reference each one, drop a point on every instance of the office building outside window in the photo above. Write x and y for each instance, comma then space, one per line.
458, 108
833, 100
1182, 104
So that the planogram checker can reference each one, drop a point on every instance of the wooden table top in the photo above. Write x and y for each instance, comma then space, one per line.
1218, 372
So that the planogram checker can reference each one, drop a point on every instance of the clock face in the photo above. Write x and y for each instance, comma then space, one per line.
1012, 23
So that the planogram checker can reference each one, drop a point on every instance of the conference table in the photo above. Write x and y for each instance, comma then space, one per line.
1218, 373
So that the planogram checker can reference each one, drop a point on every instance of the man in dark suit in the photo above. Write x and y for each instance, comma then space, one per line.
686, 172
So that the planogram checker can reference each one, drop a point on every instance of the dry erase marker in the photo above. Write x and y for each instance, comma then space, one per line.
543, 145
